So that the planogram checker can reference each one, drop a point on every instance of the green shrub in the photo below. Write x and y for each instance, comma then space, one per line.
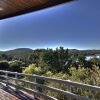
82, 75
15, 66
4, 65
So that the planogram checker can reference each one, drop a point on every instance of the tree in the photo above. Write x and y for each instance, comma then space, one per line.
95, 61
4, 65
55, 59
33, 58
15, 66
4, 56
81, 58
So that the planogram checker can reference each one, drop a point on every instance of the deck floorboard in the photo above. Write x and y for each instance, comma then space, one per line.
10, 94
7, 96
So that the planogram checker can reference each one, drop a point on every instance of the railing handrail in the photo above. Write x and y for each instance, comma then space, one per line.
67, 82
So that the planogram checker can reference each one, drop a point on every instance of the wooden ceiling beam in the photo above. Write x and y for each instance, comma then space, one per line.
11, 8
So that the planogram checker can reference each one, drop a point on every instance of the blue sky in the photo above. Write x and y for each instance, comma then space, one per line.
72, 25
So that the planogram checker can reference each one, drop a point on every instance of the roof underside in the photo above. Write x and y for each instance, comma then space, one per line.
10, 8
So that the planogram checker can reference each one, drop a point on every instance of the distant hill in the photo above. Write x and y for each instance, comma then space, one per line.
1, 52
19, 50
19, 53
91, 52
24, 52
74, 50
87, 52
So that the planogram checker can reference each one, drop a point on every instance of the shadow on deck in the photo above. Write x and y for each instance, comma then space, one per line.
15, 95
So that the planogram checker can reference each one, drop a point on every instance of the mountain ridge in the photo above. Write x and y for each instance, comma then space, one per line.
29, 50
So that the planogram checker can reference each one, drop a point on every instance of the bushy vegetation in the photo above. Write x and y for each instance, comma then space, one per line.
59, 63
15, 66
4, 65
83, 75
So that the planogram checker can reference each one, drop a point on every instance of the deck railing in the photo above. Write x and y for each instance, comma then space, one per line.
5, 76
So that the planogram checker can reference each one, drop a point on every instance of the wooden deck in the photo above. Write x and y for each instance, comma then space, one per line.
7, 96
7, 93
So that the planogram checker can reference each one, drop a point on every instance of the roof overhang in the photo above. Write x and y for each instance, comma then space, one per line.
11, 8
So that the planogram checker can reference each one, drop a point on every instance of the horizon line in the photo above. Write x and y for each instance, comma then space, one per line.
45, 48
